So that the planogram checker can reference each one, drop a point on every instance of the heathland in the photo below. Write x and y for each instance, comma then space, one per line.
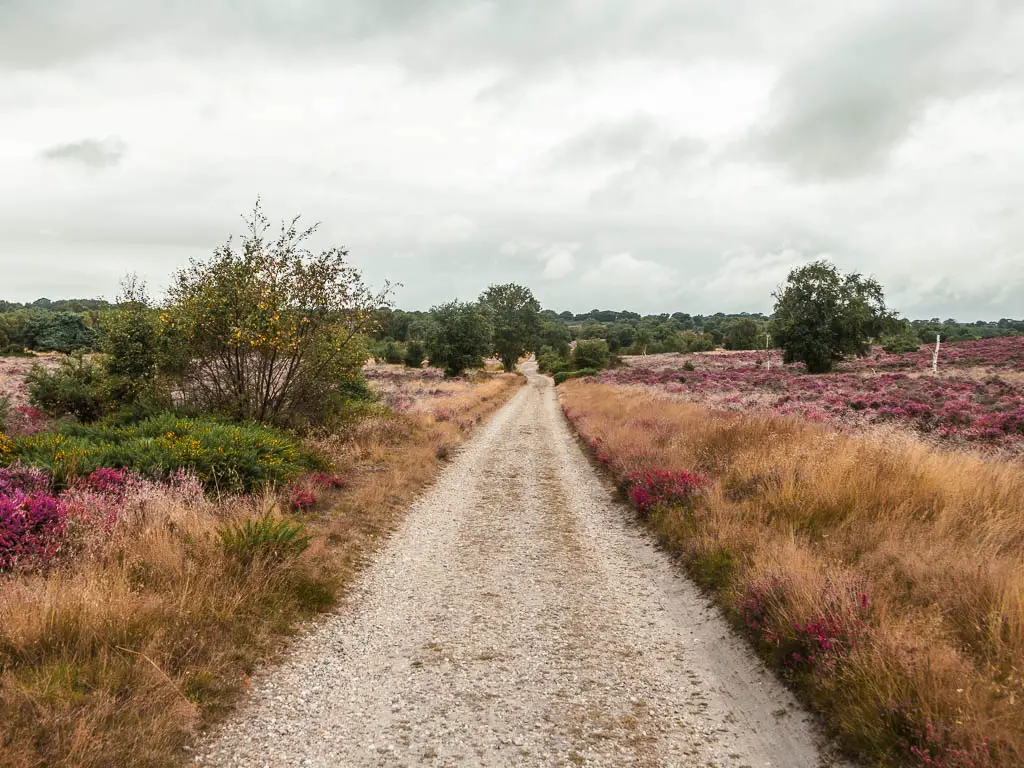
185, 481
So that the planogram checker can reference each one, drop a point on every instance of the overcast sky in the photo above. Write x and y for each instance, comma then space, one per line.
655, 155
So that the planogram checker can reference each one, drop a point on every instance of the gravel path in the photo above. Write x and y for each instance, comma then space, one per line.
519, 617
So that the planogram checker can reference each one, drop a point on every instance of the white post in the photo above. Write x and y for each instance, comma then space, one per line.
935, 354
767, 352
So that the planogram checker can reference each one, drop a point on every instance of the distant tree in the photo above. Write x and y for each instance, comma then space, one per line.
744, 334
591, 353
57, 332
415, 353
130, 339
460, 337
691, 341
555, 336
515, 321
822, 315
643, 338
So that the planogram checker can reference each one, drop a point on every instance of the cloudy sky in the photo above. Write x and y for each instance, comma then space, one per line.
656, 155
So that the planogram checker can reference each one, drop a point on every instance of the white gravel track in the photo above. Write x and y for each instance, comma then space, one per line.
520, 617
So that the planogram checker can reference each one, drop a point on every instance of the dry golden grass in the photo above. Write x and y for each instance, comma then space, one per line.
913, 559
122, 657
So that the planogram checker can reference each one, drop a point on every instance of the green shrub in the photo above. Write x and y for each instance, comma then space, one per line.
591, 353
131, 340
394, 353
550, 361
900, 343
267, 539
5, 410
224, 456
565, 375
415, 354
78, 387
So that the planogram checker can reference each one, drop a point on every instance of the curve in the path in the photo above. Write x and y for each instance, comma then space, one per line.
519, 617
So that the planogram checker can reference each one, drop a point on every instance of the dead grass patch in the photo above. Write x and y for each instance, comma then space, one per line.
885, 579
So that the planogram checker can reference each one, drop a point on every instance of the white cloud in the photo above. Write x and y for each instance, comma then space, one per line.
704, 146
625, 271
559, 260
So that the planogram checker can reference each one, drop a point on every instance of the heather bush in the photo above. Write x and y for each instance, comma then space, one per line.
647, 489
31, 528
301, 499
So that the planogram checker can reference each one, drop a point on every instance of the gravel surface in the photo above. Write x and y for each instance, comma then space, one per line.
520, 617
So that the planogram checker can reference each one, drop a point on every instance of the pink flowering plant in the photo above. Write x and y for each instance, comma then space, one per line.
649, 488
32, 520
980, 402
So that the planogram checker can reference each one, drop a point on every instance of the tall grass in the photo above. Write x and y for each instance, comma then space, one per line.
883, 578
121, 656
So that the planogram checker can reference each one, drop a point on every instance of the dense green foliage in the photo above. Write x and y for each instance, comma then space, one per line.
901, 340
77, 387
131, 340
515, 321
415, 353
591, 353
744, 333
225, 456
460, 338
575, 374
822, 315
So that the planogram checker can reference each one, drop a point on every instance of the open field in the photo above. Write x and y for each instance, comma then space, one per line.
882, 577
976, 400
144, 625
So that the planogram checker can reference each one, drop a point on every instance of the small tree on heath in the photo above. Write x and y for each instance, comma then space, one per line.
515, 321
822, 315
460, 337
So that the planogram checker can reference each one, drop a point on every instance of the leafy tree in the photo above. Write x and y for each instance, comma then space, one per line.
130, 340
415, 354
642, 339
270, 331
515, 321
461, 337
691, 341
53, 331
744, 333
822, 315
553, 336
591, 353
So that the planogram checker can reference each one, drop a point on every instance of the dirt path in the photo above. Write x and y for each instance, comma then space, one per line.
519, 617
